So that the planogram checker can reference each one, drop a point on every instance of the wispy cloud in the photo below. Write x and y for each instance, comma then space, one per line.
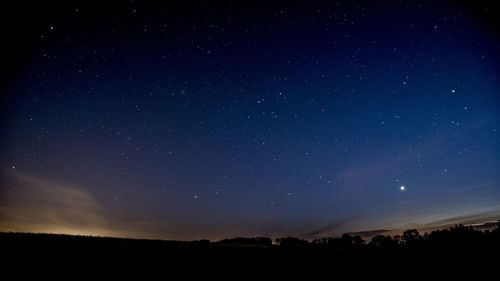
484, 219
34, 204
37, 205
370, 233
479, 218
331, 228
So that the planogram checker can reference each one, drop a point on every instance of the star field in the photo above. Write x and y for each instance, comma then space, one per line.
190, 120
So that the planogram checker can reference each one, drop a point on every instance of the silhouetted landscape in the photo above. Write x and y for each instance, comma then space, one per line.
454, 253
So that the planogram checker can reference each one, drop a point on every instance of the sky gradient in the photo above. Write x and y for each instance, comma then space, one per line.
190, 120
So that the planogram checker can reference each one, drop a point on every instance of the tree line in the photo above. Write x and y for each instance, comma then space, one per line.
456, 235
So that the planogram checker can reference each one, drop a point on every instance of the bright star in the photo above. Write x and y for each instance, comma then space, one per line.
402, 188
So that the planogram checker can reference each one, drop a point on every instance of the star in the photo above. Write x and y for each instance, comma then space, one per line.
403, 188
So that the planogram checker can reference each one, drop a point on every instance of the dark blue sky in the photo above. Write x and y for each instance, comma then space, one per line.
211, 120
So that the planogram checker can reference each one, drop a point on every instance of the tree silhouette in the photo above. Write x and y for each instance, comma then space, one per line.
291, 242
410, 236
383, 242
357, 241
497, 229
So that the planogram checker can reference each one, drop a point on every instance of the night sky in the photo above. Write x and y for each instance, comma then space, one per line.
215, 119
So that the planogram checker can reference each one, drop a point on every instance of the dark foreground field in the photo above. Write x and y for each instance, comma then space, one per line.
457, 253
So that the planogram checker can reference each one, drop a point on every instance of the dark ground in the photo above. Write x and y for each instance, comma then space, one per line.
456, 254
